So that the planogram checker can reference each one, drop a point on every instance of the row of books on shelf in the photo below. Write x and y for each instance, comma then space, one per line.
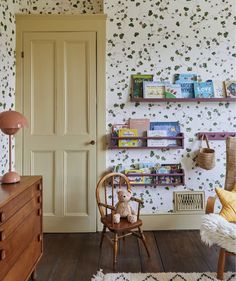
186, 85
149, 173
136, 128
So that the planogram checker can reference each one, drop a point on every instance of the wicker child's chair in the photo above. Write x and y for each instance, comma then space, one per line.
107, 211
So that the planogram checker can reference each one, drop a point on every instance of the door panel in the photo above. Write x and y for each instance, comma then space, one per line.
76, 78
42, 87
38, 160
76, 165
60, 104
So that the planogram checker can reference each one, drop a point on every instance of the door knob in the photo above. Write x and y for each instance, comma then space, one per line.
92, 142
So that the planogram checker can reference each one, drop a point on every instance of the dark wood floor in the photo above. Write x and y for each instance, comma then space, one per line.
76, 257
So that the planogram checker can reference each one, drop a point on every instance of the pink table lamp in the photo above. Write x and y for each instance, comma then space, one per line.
10, 122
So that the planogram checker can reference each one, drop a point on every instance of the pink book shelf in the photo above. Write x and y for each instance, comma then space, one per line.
179, 138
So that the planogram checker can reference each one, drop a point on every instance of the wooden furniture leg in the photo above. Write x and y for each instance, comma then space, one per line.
34, 275
102, 235
221, 264
115, 250
143, 240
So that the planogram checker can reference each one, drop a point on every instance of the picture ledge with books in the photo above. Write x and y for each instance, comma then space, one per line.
186, 87
153, 174
143, 134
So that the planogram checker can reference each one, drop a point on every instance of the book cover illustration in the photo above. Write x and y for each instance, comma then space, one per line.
185, 77
204, 89
137, 84
134, 179
125, 132
114, 132
219, 89
142, 125
173, 91
154, 89
172, 129
187, 89
157, 133
230, 88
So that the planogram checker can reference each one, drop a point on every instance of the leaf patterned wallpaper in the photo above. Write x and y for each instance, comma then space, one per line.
161, 37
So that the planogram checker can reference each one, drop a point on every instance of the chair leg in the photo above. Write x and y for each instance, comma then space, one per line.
115, 251
221, 264
102, 235
143, 240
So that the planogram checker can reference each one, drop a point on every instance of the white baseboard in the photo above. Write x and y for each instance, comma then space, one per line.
169, 221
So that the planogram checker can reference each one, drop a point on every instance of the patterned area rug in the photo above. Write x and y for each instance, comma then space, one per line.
206, 276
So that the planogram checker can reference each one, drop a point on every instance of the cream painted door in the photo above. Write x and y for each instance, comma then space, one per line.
59, 100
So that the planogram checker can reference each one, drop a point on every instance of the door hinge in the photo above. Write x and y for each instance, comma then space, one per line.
22, 54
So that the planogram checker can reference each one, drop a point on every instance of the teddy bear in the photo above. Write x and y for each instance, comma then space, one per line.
123, 209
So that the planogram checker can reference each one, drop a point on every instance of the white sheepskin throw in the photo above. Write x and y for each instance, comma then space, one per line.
216, 230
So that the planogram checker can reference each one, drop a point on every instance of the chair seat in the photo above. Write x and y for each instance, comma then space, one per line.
124, 225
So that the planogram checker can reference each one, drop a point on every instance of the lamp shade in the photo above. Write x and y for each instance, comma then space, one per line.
11, 121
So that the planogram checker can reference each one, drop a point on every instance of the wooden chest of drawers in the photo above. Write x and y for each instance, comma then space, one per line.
20, 228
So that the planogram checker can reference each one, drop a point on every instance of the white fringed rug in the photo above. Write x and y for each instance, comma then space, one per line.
229, 276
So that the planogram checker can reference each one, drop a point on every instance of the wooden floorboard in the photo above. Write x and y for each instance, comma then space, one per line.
76, 257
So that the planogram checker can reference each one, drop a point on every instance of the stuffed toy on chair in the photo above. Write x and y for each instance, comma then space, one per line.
123, 209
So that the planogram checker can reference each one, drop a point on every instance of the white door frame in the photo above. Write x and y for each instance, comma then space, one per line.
95, 23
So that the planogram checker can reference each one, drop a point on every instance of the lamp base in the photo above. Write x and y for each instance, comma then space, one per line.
11, 177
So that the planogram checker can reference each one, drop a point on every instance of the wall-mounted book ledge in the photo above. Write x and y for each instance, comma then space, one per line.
166, 179
152, 100
217, 135
142, 142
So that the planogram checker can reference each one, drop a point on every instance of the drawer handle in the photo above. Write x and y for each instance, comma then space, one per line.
39, 187
40, 237
2, 236
39, 199
2, 255
2, 216
39, 212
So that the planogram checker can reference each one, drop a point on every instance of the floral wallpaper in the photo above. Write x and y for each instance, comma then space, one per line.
158, 37
163, 38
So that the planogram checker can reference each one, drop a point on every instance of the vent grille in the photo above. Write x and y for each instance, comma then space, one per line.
186, 201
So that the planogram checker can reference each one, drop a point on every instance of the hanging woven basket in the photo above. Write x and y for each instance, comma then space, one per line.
206, 155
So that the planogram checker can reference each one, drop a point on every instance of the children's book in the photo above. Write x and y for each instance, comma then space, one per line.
125, 132
142, 125
137, 84
219, 89
187, 89
173, 91
230, 88
185, 77
172, 129
156, 143
134, 179
154, 89
204, 89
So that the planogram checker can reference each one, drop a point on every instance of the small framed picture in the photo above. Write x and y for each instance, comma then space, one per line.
230, 88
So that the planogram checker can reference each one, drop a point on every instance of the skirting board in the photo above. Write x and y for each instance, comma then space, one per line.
169, 221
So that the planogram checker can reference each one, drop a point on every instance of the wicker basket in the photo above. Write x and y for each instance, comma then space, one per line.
206, 156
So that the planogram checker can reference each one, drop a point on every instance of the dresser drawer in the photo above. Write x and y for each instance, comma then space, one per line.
7, 228
26, 263
12, 247
17, 203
